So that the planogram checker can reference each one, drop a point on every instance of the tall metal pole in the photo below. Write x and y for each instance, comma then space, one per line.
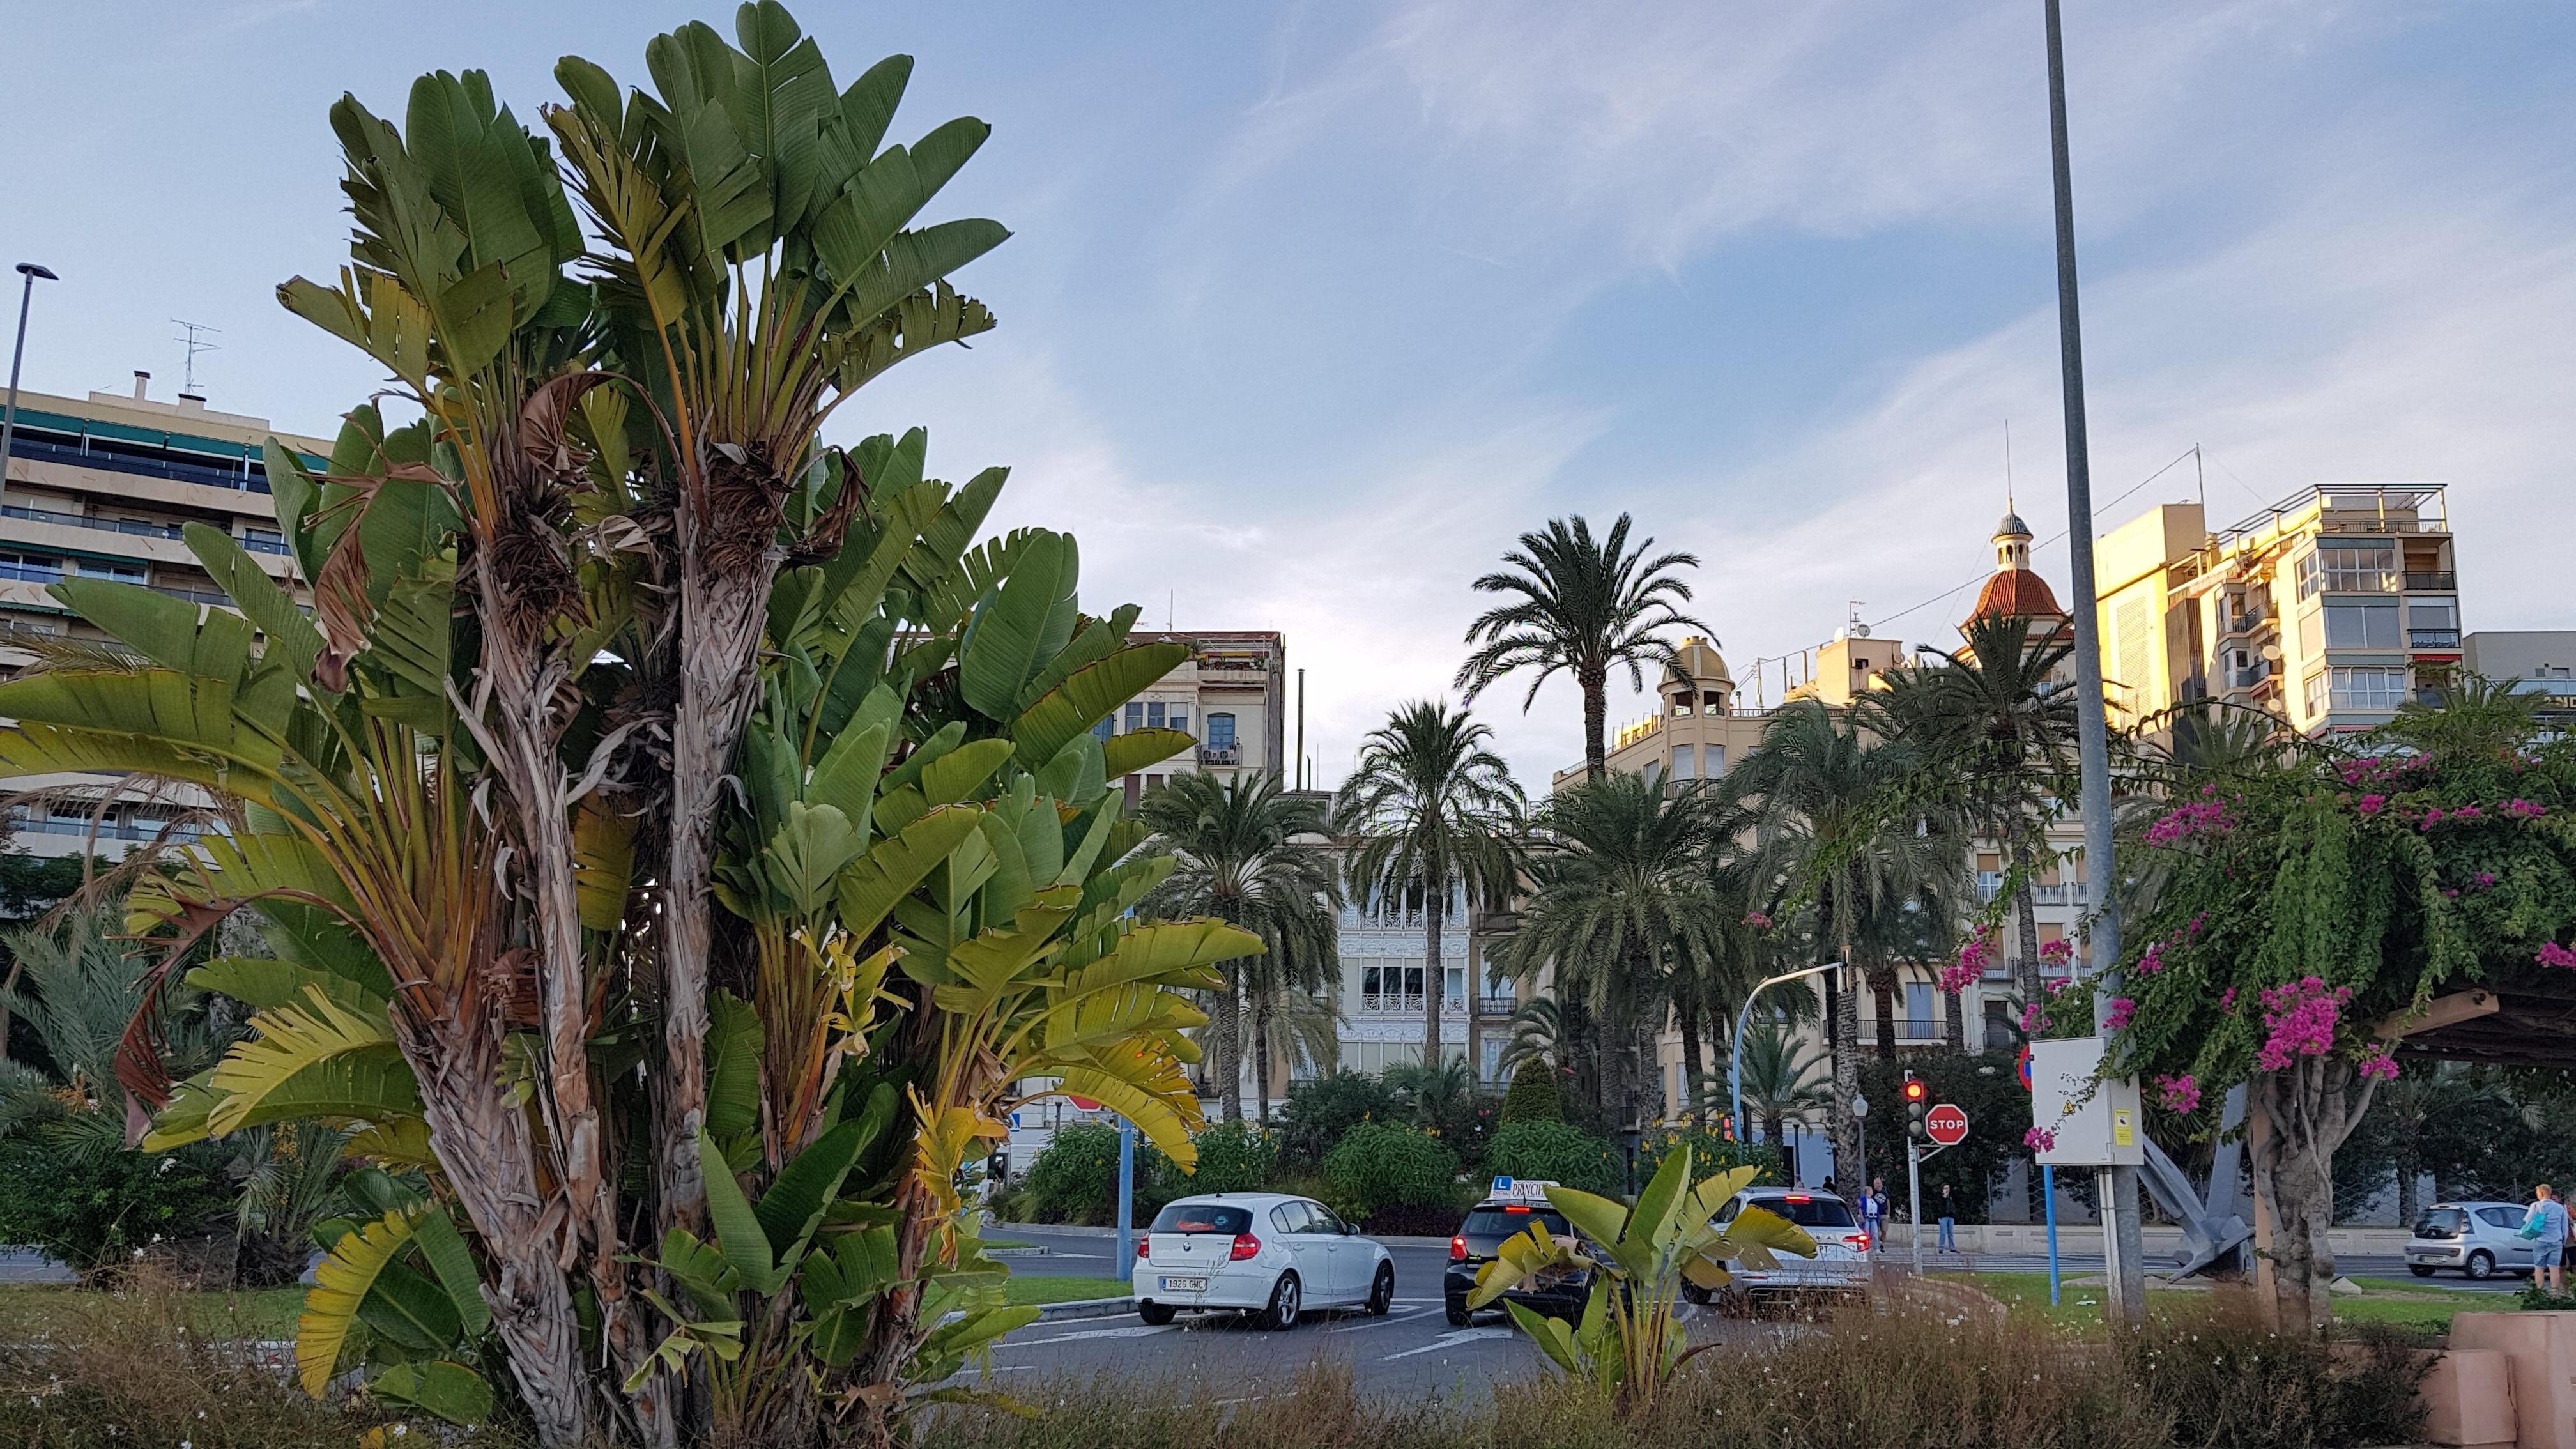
1126, 1201
1735, 1048
2127, 1280
1299, 769
17, 356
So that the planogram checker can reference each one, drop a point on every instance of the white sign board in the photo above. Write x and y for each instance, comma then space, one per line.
2088, 1123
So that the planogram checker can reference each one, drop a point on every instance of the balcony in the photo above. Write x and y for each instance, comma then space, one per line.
41, 451
2432, 638
107, 829
2243, 624
103, 525
2442, 582
2247, 677
1220, 754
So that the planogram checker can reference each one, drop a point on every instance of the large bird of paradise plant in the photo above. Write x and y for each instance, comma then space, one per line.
675, 967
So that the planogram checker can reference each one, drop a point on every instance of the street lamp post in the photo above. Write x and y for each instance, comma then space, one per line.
1735, 1049
9, 419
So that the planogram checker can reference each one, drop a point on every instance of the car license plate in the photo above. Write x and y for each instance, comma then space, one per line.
1185, 1285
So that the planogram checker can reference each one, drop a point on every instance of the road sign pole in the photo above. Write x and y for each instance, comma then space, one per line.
1914, 1198
1126, 1201
2048, 1202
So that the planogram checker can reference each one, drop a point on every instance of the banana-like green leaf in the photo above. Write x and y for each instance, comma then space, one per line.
603, 863
290, 1040
453, 1262
409, 1310
163, 629
1141, 749
807, 854
956, 775
734, 1047
1147, 1087
292, 639
793, 1206
846, 777
1004, 643
1598, 1219
1656, 1221
897, 865
341, 1282
738, 1231
266, 982
1552, 1336
1088, 697
438, 1386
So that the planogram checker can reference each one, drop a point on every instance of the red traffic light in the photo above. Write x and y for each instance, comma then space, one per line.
1915, 1091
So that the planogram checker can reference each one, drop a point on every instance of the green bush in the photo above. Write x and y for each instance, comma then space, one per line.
1533, 1096
1378, 1165
1711, 1153
1320, 1110
1556, 1151
91, 1205
1233, 1157
1075, 1180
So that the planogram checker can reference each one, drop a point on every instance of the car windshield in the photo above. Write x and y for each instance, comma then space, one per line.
1203, 1217
1807, 1212
1502, 1222
2445, 1221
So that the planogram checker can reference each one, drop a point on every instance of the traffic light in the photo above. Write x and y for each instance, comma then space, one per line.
1918, 1100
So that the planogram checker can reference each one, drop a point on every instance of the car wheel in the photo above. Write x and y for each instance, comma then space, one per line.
1281, 1315
1155, 1313
1459, 1316
1693, 1293
1382, 1292
2419, 1270
2481, 1265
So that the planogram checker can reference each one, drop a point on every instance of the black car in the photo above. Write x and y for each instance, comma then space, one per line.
1481, 1236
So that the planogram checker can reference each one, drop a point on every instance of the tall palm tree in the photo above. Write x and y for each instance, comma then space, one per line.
1999, 733
1836, 827
1780, 1080
1430, 811
1293, 998
1623, 907
1537, 1035
1583, 607
1240, 860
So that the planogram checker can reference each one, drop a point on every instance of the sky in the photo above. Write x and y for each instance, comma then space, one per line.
1311, 309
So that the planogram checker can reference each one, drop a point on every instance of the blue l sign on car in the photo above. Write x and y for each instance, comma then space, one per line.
1502, 1187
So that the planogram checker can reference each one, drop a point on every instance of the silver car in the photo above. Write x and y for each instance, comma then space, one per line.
2479, 1239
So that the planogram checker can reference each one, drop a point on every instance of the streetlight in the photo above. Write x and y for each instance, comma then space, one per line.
1735, 1051
9, 419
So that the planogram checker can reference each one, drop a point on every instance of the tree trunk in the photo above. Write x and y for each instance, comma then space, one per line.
1594, 682
1435, 899
1694, 1061
2311, 1107
1261, 1055
2025, 969
1226, 1018
2410, 1198
1645, 1035
1954, 1012
1882, 992
1849, 1171
1475, 973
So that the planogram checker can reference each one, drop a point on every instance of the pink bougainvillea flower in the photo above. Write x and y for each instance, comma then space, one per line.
2379, 1062
2553, 954
1958, 977
2486, 878
2180, 1094
1757, 920
2033, 1020
2300, 1018
2227, 999
2153, 959
2371, 804
2039, 1139
2122, 1008
2184, 821
2521, 809
2057, 953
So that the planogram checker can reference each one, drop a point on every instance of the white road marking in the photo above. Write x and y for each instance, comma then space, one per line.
1453, 1339
1133, 1330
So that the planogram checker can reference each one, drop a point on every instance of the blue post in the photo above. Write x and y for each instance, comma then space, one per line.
2048, 1200
1127, 1203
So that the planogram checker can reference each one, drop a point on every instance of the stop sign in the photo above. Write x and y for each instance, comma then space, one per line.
1946, 1125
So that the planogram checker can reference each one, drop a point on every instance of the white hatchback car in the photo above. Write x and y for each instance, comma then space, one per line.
1257, 1252
1842, 1261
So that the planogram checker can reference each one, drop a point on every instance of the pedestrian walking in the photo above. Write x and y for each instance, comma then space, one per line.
1873, 1211
1949, 1223
2546, 1226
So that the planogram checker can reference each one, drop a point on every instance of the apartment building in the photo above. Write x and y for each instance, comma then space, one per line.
2539, 661
1698, 731
2330, 608
100, 487
1231, 694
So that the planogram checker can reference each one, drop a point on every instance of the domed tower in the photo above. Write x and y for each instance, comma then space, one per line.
1697, 682
2014, 588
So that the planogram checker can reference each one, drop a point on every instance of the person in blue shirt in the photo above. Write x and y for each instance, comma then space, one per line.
1873, 1211
2549, 1245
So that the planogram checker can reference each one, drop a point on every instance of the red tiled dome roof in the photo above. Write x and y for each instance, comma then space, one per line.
2016, 591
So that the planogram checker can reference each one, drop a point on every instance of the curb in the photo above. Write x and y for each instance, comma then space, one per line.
1085, 1308
1088, 1232
1015, 1252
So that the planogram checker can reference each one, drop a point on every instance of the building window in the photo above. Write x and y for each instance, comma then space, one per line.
1104, 730
1712, 704
1220, 731
1681, 706
1918, 1011
1715, 760
2349, 569
1685, 762
32, 567
1135, 716
2366, 687
1391, 987
1180, 718
1153, 714
2361, 626
2432, 623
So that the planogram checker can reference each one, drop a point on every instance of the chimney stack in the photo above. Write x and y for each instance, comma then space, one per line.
142, 379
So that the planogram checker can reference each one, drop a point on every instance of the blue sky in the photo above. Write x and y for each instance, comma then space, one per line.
1312, 307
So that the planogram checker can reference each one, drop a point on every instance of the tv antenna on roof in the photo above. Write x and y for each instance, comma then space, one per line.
195, 344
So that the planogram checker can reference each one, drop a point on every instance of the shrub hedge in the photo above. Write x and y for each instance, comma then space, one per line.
1533, 1096
1380, 1167
1554, 1150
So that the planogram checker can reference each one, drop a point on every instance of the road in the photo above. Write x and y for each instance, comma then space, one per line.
1411, 1352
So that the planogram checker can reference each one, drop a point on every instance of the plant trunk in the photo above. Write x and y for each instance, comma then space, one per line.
1475, 997
1694, 1061
1882, 992
2410, 1198
1261, 1055
1594, 681
2312, 1106
1849, 1171
1771, 1134
1644, 1033
483, 1144
2025, 969
1434, 971
1227, 1021
1954, 1025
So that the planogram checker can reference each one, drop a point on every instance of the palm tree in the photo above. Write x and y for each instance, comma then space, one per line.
1294, 1001
1830, 798
1431, 811
1538, 1034
1584, 607
1239, 860
1779, 1079
1999, 733
1622, 905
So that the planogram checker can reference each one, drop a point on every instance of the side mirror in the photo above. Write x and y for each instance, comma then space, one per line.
1349, 1232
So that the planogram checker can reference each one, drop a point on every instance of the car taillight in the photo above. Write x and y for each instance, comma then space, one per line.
1245, 1246
1457, 1250
1859, 1242
1141, 1245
